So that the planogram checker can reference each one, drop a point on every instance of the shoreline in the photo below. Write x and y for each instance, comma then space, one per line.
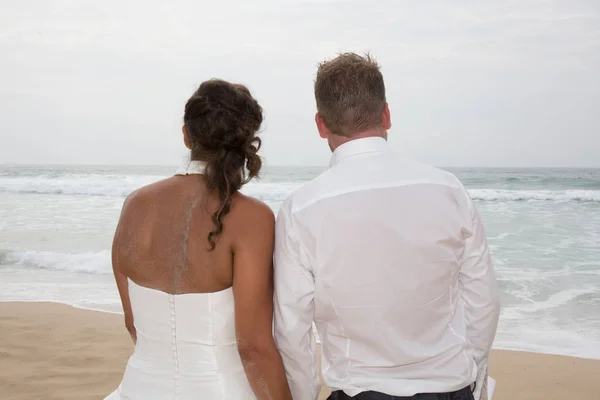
495, 347
57, 351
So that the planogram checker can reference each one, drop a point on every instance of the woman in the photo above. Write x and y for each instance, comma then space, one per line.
192, 258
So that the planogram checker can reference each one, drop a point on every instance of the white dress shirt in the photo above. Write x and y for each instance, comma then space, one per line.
389, 258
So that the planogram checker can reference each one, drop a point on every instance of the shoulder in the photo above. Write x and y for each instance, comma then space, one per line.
309, 193
146, 195
458, 192
448, 179
251, 222
251, 212
427, 172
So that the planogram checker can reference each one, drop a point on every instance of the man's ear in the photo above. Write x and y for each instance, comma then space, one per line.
386, 119
324, 132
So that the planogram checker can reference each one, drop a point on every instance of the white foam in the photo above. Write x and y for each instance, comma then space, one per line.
535, 195
90, 185
548, 340
122, 185
558, 299
271, 192
91, 262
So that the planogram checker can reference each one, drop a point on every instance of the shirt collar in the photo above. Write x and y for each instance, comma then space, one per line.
358, 147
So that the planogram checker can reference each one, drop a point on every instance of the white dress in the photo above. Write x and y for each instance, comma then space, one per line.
186, 346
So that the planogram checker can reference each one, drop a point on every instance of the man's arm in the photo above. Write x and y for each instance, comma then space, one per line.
294, 311
480, 296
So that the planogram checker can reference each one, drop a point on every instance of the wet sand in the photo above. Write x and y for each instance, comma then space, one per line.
53, 351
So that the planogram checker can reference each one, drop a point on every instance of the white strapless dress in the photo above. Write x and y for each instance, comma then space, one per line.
186, 348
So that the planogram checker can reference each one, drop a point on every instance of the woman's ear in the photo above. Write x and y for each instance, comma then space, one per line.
186, 138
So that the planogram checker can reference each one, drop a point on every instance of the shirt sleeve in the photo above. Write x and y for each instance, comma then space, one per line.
294, 311
480, 296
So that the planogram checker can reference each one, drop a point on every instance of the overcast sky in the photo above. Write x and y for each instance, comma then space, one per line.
477, 83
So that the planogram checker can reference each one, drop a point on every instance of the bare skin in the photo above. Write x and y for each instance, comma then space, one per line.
161, 243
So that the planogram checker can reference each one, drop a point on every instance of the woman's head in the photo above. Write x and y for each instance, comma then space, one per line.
221, 124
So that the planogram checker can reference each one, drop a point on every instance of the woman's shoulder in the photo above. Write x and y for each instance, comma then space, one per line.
248, 204
251, 222
250, 210
148, 194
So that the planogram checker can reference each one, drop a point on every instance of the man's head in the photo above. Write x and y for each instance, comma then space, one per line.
351, 103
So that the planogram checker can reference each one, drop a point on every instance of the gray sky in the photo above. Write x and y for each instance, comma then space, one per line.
477, 83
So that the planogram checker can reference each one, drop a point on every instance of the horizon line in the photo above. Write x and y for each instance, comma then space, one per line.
174, 165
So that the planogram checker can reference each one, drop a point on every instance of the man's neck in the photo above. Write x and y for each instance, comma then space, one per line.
336, 141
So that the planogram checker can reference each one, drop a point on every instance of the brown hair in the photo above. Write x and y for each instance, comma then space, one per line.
222, 120
350, 94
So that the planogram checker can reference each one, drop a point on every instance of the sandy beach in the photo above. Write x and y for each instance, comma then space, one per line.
53, 351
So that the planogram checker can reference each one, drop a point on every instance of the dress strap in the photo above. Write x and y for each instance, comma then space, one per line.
191, 167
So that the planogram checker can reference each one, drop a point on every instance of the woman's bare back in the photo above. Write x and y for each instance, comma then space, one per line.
162, 243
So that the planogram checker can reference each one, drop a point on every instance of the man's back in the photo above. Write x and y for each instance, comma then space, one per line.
384, 246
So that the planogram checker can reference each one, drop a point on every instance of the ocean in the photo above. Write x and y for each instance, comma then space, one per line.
543, 225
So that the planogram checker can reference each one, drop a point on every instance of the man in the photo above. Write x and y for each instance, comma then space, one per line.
387, 256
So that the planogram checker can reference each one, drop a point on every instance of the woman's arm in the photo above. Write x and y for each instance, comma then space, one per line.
253, 293
120, 278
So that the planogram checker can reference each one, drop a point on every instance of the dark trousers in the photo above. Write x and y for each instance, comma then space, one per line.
463, 394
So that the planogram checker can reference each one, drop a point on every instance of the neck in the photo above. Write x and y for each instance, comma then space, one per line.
336, 141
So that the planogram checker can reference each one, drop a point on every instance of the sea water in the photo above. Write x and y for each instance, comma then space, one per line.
543, 225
